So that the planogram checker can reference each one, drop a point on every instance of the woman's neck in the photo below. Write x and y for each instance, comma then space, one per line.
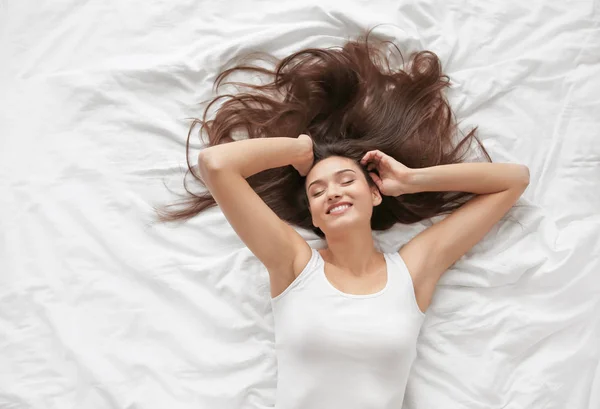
352, 251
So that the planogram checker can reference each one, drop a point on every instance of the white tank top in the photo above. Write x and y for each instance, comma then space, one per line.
339, 350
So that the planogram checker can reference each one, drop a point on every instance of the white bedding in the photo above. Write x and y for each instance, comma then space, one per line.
101, 308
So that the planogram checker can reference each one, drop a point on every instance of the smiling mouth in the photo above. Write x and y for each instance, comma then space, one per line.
339, 210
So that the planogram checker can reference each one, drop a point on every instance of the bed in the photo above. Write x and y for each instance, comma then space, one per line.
103, 307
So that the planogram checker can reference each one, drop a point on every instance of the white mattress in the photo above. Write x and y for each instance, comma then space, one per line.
102, 308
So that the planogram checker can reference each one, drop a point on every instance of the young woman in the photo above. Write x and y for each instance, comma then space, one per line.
342, 144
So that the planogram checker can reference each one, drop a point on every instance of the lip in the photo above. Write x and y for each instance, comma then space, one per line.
336, 205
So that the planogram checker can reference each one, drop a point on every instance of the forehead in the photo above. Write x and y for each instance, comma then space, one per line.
327, 167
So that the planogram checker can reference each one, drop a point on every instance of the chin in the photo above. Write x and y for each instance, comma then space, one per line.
337, 225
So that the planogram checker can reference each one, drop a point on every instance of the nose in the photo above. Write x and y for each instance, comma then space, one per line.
333, 192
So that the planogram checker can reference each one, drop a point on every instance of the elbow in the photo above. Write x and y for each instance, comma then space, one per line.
525, 175
521, 178
207, 163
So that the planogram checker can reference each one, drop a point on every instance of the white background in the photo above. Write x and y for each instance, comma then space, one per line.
102, 308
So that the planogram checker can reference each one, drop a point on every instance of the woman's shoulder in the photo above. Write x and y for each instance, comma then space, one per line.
304, 264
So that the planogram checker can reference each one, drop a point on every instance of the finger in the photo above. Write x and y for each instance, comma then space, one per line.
376, 179
365, 158
372, 156
368, 156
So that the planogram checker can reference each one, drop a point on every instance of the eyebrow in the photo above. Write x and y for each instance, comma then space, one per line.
336, 173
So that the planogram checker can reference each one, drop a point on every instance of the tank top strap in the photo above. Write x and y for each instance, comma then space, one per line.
402, 282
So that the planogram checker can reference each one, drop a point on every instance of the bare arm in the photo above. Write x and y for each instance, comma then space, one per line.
480, 178
224, 169
250, 156
429, 254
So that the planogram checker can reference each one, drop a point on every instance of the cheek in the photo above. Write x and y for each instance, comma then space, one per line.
312, 203
364, 196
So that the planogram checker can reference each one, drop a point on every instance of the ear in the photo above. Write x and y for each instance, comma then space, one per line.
376, 196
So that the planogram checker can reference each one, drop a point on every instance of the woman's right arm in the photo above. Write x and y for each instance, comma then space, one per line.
224, 169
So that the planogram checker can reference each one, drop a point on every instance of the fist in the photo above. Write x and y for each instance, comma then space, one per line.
305, 156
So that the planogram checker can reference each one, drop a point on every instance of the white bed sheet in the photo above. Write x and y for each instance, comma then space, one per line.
101, 308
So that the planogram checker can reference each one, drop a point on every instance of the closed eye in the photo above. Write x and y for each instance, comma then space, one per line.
343, 183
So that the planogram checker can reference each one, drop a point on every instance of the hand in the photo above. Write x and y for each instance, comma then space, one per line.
305, 156
393, 179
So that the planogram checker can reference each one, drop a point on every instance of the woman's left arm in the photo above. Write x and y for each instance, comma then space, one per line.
480, 178
429, 254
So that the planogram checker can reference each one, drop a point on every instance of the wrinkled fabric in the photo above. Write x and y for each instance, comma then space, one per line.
102, 307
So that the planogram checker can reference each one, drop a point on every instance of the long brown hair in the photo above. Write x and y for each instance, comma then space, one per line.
350, 100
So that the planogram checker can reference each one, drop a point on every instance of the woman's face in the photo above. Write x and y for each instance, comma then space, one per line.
338, 181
